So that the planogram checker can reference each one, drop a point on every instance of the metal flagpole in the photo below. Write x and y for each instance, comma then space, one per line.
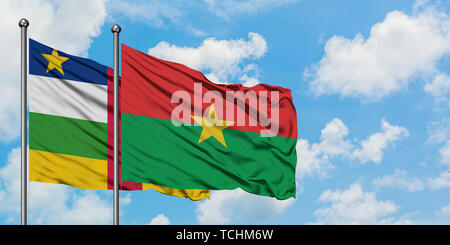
116, 30
23, 23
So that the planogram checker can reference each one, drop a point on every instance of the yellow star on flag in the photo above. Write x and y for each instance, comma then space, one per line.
55, 61
212, 126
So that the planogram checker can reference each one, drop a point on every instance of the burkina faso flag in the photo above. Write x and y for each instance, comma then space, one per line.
182, 131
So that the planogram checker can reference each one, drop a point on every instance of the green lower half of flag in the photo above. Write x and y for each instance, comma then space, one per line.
156, 151
68, 136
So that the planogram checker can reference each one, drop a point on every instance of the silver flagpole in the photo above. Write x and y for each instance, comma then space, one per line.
116, 30
23, 23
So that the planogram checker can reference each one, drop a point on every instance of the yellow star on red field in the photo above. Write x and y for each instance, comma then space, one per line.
212, 126
55, 61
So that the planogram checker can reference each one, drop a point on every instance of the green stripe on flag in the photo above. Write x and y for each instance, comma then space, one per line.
156, 151
68, 136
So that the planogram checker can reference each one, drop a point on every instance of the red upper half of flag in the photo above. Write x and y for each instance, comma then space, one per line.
162, 89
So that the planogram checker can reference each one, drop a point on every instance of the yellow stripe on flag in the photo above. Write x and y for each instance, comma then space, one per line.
193, 194
88, 173
80, 172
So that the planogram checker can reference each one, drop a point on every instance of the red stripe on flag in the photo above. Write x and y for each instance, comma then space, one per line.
123, 185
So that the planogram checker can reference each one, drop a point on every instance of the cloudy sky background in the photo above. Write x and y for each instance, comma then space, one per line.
370, 82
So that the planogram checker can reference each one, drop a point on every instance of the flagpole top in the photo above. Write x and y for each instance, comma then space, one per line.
24, 23
115, 28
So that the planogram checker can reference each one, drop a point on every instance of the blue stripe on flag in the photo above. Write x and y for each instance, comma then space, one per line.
75, 68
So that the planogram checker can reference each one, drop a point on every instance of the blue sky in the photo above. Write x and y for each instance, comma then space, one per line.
370, 82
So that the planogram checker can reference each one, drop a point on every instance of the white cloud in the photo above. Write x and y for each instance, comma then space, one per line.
439, 131
88, 208
440, 182
220, 60
10, 183
419, 5
66, 25
160, 219
398, 180
372, 148
249, 81
332, 138
445, 153
51, 203
311, 160
316, 158
229, 206
250, 74
403, 220
443, 180
386, 61
439, 86
227, 8
354, 206
444, 211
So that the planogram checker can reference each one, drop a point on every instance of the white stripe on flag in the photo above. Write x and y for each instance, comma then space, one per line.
67, 98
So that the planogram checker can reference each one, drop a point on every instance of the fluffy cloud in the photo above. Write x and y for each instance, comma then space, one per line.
332, 138
443, 180
311, 160
221, 60
440, 182
439, 131
227, 8
399, 180
354, 206
160, 219
10, 183
226, 207
439, 86
444, 211
445, 153
87, 208
372, 148
67, 25
51, 203
388, 60
315, 158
